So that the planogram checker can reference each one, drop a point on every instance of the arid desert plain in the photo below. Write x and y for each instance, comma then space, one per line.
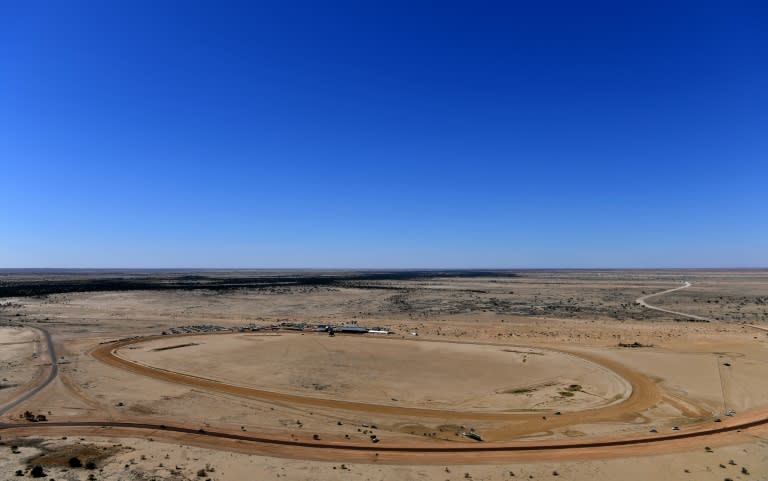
366, 375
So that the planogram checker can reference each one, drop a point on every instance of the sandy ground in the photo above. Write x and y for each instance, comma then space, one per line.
685, 374
144, 460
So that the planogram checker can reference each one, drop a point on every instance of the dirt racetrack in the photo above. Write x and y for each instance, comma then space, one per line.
390, 371
644, 394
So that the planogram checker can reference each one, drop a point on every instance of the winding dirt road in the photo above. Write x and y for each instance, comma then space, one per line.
643, 302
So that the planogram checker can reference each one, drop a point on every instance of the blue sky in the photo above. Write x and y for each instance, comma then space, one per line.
383, 134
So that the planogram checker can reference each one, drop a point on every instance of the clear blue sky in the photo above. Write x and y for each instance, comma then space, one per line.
290, 134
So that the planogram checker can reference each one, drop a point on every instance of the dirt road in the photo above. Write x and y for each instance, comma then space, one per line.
643, 302
54, 371
416, 452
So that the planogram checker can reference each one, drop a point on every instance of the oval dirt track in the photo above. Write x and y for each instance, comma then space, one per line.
644, 394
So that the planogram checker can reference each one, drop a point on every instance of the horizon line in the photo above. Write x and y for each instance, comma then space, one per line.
562, 268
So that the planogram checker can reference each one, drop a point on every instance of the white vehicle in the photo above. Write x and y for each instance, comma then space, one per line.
472, 435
